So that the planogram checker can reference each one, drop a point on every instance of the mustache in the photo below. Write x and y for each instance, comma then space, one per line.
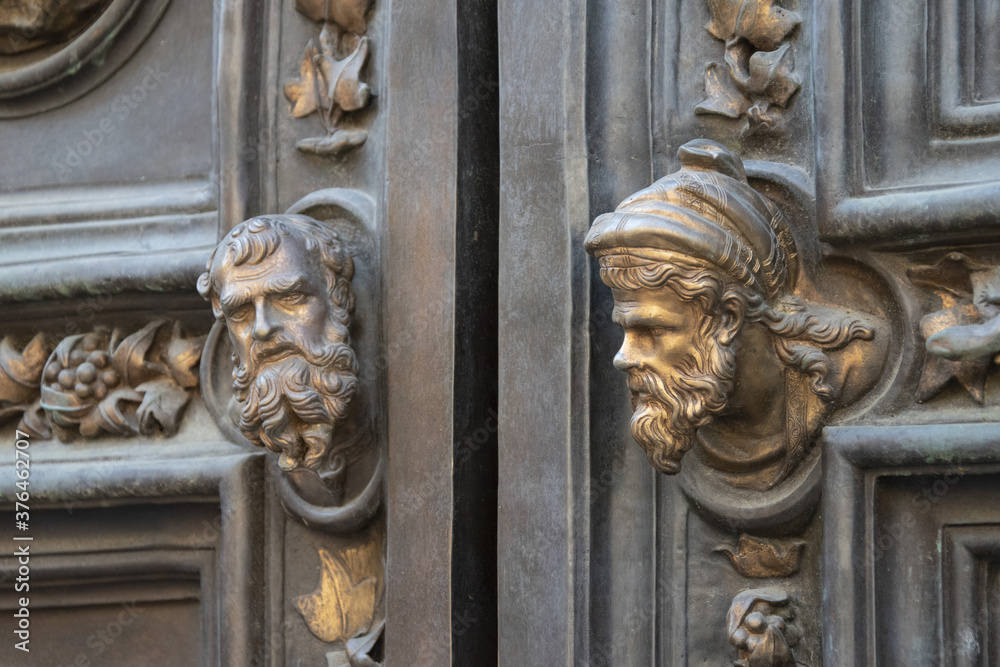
273, 349
638, 381
646, 386
333, 356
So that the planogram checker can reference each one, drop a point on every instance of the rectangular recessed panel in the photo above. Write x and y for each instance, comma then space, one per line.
970, 593
128, 633
918, 126
125, 584
986, 82
922, 526
908, 119
118, 189
149, 122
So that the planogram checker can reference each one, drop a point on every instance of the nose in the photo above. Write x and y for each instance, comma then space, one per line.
263, 328
626, 359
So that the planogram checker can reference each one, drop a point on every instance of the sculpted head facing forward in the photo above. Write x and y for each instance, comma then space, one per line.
718, 349
282, 285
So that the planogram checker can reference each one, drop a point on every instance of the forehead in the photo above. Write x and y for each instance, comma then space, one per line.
289, 263
653, 305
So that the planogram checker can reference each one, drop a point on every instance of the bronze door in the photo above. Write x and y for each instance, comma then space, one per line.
800, 303
359, 332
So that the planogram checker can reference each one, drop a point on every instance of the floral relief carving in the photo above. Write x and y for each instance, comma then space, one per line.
758, 74
101, 382
330, 74
761, 558
759, 625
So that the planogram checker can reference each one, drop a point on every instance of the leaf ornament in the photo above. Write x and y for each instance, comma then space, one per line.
343, 86
765, 25
963, 335
330, 77
724, 97
183, 356
163, 403
724, 13
342, 608
759, 67
33, 422
345, 604
21, 370
304, 94
359, 647
772, 75
349, 14
114, 415
130, 357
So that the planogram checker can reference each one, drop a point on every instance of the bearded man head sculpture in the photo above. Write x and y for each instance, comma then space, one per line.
282, 285
719, 349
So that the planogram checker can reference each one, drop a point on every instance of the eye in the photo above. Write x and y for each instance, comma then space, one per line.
241, 314
661, 331
293, 298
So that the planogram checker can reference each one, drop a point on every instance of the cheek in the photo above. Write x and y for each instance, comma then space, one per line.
237, 329
672, 350
318, 310
308, 322
239, 342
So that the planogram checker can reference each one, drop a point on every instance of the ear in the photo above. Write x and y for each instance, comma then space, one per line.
732, 315
216, 308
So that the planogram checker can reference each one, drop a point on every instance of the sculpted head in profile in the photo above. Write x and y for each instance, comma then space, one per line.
719, 349
282, 285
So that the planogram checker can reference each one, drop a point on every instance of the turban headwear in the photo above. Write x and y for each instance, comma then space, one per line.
706, 211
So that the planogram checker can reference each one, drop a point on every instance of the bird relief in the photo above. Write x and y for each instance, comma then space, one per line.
962, 337
329, 82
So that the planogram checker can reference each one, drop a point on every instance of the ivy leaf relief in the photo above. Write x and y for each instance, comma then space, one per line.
759, 68
163, 403
772, 75
764, 24
342, 78
344, 605
724, 98
348, 14
723, 23
305, 94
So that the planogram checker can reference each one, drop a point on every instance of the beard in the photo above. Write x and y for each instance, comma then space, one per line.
669, 409
293, 397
